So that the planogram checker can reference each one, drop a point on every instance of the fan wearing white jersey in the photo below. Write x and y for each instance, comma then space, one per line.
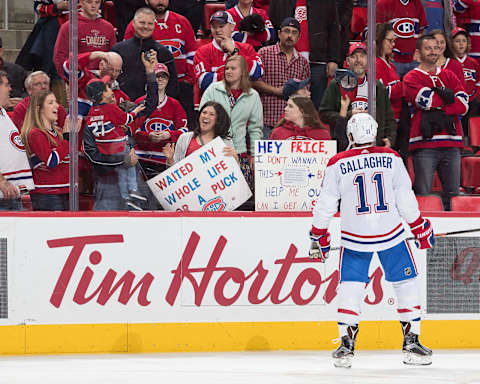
375, 193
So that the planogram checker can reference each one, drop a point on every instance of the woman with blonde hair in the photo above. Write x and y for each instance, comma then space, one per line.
301, 122
47, 149
244, 108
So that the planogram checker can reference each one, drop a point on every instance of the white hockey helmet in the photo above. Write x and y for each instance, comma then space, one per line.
363, 129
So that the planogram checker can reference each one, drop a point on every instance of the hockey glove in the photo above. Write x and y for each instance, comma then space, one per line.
423, 232
320, 245
447, 95
252, 23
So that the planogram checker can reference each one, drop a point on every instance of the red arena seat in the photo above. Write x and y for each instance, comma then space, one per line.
358, 22
471, 171
465, 203
474, 131
429, 203
209, 10
109, 13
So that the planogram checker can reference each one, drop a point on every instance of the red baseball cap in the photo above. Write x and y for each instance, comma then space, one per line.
356, 45
161, 68
458, 30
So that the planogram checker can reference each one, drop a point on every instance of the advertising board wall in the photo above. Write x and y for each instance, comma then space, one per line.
186, 269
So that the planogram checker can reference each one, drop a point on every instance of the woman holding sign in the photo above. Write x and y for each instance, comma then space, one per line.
213, 122
244, 107
301, 122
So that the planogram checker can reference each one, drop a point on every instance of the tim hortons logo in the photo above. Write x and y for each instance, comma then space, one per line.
463, 270
199, 278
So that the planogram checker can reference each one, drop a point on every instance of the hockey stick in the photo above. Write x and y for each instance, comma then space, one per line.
443, 234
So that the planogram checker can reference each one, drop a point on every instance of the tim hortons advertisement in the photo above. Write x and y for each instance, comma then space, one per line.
289, 173
179, 269
206, 180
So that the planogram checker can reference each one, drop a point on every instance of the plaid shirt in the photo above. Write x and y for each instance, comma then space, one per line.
277, 72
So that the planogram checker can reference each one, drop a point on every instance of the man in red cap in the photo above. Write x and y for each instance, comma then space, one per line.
358, 101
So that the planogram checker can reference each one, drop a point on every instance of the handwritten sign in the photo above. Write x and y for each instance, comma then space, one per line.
206, 180
289, 173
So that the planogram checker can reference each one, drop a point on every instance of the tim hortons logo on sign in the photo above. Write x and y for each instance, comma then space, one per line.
256, 278
106, 288
463, 272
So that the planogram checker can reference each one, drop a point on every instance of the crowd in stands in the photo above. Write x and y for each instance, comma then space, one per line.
157, 79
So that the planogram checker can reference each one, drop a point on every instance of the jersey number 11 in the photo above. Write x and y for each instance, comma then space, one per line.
363, 206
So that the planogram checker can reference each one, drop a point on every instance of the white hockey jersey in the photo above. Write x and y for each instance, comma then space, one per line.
375, 192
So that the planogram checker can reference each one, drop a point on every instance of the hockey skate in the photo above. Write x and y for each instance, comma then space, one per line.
342, 356
414, 353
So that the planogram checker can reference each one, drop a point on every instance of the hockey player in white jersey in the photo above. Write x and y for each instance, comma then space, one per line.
375, 193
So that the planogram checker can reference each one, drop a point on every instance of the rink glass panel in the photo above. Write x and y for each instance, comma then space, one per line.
3, 279
453, 275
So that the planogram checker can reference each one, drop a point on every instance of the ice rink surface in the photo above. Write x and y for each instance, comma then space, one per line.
238, 367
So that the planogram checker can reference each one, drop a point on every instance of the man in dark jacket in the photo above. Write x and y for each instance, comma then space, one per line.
320, 18
132, 81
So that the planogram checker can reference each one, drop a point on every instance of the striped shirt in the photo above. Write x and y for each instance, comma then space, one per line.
277, 72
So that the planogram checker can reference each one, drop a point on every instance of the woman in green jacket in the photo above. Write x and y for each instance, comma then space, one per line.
244, 107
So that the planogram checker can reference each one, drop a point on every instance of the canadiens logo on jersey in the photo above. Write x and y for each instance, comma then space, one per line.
16, 140
157, 124
469, 74
404, 28
174, 46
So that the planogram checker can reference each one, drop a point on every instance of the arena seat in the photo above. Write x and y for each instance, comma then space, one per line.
358, 22
474, 131
429, 203
209, 10
109, 13
465, 203
470, 171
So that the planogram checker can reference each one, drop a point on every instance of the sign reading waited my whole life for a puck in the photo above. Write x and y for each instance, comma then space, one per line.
206, 180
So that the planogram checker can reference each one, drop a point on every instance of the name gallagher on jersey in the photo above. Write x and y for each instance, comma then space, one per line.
367, 162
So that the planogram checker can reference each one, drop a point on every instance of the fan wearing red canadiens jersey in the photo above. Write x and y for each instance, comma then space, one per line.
210, 59
460, 43
375, 194
164, 125
469, 11
408, 19
252, 25
435, 131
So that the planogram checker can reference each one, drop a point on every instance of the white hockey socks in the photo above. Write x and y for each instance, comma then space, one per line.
408, 303
350, 295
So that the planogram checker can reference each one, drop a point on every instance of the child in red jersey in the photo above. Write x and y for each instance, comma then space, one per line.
109, 125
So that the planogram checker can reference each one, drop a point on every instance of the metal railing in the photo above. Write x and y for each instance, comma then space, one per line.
5, 16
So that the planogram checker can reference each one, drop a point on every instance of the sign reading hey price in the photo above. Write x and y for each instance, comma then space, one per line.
289, 173
206, 180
